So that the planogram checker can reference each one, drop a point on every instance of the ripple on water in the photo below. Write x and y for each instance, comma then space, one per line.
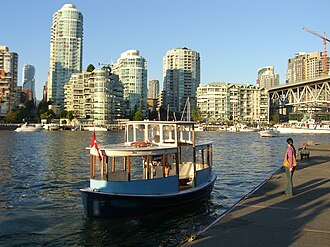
41, 175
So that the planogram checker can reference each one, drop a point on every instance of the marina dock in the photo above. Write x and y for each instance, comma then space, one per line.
266, 217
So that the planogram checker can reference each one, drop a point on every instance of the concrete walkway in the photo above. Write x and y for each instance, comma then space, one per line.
269, 218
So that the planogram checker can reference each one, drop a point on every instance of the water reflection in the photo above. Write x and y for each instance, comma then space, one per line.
167, 229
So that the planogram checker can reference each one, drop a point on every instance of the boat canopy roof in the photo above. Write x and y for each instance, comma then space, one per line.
124, 150
183, 123
161, 133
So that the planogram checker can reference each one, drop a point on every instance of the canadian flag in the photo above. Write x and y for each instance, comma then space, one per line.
94, 147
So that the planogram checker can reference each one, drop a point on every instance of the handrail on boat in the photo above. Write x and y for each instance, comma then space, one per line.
175, 153
158, 162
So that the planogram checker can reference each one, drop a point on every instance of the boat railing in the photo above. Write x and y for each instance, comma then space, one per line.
159, 132
123, 162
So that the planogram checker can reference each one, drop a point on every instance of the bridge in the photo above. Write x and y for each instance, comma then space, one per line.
309, 96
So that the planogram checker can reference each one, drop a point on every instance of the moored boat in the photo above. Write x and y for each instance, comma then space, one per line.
199, 127
159, 167
96, 128
51, 126
269, 133
245, 128
302, 130
222, 129
28, 128
305, 126
232, 128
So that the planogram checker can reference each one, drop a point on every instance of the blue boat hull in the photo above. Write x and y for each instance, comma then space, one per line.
109, 205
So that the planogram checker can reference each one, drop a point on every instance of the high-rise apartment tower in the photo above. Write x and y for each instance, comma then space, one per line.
28, 79
305, 66
181, 77
153, 89
8, 80
267, 78
132, 71
95, 96
66, 45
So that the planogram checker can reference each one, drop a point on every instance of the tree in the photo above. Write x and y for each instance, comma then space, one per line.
153, 115
69, 115
197, 115
138, 114
29, 105
108, 68
11, 117
62, 114
24, 113
47, 115
65, 114
43, 107
90, 68
275, 118
44, 115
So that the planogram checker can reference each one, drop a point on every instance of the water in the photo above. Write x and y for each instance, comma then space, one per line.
41, 174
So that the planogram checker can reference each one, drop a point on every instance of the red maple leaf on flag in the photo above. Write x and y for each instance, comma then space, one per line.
95, 147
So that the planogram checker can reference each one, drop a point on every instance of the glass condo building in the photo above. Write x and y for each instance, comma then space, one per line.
132, 71
181, 77
66, 46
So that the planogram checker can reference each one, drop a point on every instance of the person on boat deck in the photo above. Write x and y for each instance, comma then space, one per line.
289, 166
168, 166
167, 169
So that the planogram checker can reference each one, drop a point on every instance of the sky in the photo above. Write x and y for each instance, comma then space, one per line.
234, 37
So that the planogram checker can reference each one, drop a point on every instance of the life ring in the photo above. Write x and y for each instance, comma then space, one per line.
140, 144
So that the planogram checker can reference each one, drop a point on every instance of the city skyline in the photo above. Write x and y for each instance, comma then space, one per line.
234, 38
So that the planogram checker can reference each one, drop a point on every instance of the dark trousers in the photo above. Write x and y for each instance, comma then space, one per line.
289, 175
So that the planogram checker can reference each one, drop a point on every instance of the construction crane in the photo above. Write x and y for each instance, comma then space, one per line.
325, 54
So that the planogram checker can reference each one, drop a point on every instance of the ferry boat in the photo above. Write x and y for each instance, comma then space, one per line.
159, 167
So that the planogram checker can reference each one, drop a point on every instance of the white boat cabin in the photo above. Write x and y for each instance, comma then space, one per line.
156, 157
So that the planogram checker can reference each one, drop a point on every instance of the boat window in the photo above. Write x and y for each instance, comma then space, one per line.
185, 134
186, 153
130, 134
140, 133
155, 133
140, 127
168, 133
136, 170
135, 133
201, 159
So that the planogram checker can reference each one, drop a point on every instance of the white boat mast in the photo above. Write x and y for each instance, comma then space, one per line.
187, 105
